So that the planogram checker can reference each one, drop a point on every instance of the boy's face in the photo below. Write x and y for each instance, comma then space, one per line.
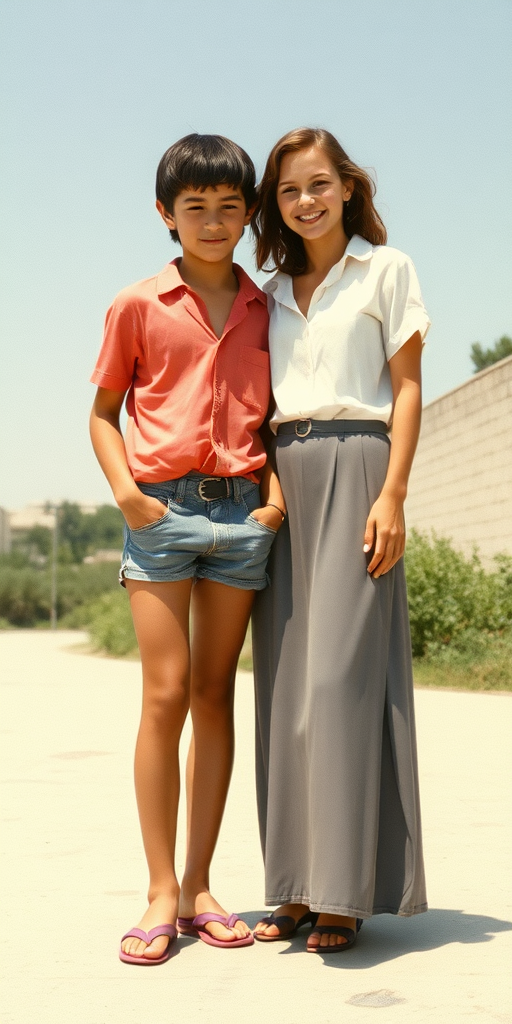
209, 223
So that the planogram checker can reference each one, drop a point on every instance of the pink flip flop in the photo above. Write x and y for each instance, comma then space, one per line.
196, 926
138, 933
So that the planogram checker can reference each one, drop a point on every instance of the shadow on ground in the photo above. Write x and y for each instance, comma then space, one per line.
385, 937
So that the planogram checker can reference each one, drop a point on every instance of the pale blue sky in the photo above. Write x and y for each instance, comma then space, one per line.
94, 91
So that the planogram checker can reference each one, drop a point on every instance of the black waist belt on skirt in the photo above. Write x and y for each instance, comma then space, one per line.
302, 428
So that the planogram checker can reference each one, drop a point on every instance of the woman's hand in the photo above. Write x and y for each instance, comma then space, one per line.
385, 534
269, 516
141, 509
385, 526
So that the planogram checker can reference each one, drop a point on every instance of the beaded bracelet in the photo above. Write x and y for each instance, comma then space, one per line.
271, 505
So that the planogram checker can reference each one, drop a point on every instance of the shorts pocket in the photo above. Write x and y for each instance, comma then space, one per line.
151, 526
261, 526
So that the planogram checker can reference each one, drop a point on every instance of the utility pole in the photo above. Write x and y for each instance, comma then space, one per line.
55, 548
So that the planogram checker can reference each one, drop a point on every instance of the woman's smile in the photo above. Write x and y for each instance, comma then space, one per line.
310, 218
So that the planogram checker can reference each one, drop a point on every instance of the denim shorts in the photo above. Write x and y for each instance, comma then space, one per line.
217, 540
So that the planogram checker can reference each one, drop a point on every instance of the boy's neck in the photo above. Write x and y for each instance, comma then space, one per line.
200, 274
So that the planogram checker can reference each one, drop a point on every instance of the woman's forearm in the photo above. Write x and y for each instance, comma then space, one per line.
404, 438
385, 526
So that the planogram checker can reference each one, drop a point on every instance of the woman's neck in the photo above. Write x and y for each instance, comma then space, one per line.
323, 253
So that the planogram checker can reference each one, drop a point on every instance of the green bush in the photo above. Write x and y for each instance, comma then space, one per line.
472, 661
24, 595
25, 589
110, 624
449, 595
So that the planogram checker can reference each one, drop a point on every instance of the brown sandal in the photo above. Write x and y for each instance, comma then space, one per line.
287, 926
350, 934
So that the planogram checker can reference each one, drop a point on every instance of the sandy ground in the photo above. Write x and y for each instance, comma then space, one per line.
74, 875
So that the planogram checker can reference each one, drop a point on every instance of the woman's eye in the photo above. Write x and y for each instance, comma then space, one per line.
289, 188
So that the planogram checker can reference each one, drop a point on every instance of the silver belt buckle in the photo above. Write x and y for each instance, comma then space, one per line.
303, 428
201, 484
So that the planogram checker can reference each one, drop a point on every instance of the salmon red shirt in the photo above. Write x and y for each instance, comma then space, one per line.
194, 402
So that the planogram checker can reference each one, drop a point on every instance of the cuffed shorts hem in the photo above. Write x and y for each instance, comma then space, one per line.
232, 581
155, 577
166, 577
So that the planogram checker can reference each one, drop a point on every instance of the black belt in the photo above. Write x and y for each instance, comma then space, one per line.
302, 428
211, 488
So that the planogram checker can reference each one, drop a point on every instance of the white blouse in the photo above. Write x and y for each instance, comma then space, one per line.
333, 364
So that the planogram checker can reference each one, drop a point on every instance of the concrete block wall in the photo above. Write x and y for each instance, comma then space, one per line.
461, 480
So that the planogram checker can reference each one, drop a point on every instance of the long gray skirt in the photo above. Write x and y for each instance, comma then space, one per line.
337, 781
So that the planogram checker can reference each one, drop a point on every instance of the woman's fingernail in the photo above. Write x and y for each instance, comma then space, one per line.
366, 548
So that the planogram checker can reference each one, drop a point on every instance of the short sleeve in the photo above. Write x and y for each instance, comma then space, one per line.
403, 312
116, 362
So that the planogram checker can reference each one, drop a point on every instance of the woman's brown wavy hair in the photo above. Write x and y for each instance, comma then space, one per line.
279, 245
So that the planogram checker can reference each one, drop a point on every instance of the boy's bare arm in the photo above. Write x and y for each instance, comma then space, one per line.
138, 509
273, 507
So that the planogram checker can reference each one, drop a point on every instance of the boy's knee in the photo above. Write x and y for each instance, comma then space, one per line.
167, 706
211, 700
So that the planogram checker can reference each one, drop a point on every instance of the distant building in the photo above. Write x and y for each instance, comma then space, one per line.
39, 513
461, 480
36, 514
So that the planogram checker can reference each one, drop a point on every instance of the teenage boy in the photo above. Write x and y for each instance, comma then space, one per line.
189, 349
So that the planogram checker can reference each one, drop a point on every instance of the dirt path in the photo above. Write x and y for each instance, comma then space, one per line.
74, 872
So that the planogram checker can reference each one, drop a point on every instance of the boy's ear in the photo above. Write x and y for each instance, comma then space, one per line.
250, 211
167, 217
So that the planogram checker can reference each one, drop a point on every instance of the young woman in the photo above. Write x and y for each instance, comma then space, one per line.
336, 755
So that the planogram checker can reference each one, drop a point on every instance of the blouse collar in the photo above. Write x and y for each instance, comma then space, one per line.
280, 285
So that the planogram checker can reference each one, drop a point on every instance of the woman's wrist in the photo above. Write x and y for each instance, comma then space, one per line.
395, 491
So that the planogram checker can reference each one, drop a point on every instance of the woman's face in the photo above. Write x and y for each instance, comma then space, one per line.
310, 194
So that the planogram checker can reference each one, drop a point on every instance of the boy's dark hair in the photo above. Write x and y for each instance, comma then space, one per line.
201, 162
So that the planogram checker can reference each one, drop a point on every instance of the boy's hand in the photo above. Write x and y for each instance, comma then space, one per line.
141, 510
269, 516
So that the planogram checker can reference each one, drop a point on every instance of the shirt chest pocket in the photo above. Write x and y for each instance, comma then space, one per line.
253, 378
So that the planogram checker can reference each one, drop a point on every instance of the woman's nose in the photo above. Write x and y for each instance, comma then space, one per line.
305, 199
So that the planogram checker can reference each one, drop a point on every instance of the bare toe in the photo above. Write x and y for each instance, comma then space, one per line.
157, 947
162, 910
193, 904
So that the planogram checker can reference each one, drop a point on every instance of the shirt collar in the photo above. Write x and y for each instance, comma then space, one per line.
169, 279
281, 285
